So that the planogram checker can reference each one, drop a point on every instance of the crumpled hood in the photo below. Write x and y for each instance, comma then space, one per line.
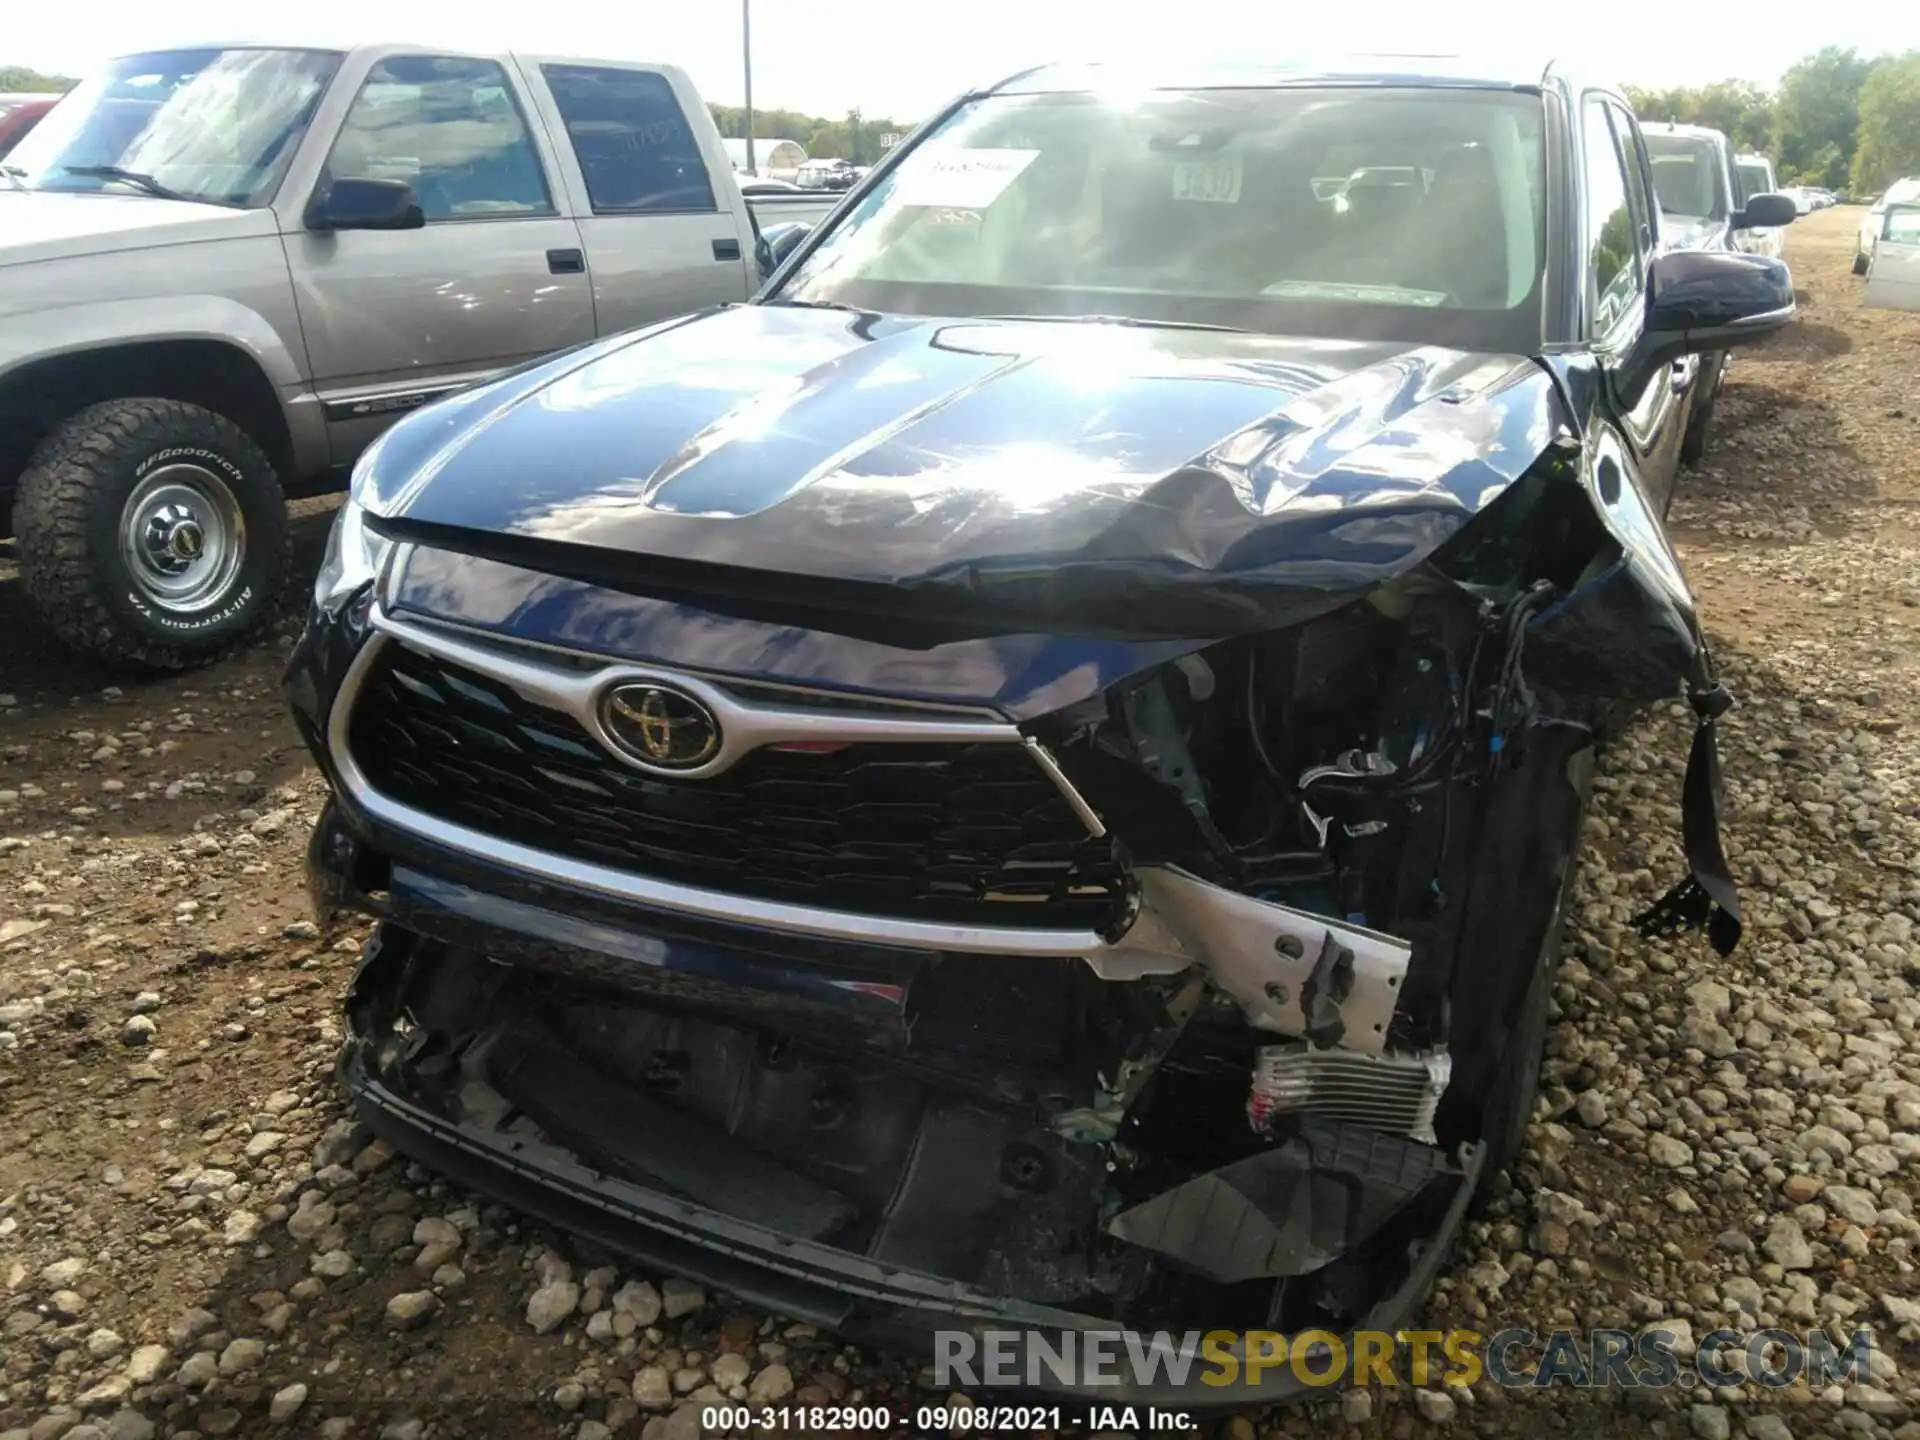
1032, 474
40, 225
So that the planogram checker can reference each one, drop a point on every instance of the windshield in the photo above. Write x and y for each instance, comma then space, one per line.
1689, 176
1410, 214
1756, 178
212, 125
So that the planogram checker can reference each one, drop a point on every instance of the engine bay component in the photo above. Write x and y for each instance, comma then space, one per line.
1289, 970
1393, 1092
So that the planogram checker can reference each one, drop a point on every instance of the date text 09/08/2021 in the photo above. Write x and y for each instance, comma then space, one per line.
950, 1418
1655, 1357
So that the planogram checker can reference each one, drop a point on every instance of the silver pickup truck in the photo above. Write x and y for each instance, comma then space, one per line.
225, 270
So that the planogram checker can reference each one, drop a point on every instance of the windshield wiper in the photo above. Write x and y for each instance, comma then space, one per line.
1132, 321
16, 174
131, 177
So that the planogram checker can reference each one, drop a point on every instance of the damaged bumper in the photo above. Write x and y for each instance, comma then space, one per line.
956, 1214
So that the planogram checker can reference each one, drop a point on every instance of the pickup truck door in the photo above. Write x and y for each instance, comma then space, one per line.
650, 186
1893, 278
1621, 238
395, 318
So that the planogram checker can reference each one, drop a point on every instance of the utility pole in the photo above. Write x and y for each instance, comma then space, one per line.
746, 57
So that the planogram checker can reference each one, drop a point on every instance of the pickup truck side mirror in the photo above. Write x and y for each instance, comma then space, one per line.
358, 204
1766, 212
783, 240
1705, 300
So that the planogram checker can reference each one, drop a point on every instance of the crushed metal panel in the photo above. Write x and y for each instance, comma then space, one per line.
1291, 971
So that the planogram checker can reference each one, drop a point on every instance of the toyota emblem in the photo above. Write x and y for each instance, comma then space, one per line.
659, 726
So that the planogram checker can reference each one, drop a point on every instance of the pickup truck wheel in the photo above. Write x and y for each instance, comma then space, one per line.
1859, 263
152, 533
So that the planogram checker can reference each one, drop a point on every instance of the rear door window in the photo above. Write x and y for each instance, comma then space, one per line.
636, 148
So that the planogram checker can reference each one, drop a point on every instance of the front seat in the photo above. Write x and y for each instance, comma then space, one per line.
1381, 237
1466, 230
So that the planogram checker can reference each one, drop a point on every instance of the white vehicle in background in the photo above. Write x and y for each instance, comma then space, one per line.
1893, 275
1901, 192
1753, 175
825, 175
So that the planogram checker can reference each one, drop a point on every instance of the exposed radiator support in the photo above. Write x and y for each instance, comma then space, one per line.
1394, 1093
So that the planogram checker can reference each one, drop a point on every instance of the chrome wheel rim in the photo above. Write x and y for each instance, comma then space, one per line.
182, 537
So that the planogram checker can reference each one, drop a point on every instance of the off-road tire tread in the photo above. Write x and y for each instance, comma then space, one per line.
50, 526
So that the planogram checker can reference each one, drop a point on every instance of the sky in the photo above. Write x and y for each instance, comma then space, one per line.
904, 58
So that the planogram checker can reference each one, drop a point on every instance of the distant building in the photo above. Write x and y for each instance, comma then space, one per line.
768, 155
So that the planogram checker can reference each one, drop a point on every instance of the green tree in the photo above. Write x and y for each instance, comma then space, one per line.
1889, 123
19, 80
1816, 116
854, 138
1740, 110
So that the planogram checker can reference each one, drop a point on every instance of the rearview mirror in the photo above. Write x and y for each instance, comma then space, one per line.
359, 204
1766, 212
1706, 300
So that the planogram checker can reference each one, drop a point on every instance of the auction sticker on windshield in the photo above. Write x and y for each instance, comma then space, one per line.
952, 176
1215, 180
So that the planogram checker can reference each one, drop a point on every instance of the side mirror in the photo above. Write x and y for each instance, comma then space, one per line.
1706, 300
355, 204
783, 240
1766, 212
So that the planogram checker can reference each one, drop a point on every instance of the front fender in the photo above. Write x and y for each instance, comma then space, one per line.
32, 336
40, 334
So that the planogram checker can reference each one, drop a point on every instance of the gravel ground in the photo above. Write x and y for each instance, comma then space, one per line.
194, 1241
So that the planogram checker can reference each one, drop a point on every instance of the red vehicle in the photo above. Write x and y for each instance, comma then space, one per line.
18, 115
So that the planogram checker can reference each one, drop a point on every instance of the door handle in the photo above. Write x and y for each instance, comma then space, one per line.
566, 262
726, 249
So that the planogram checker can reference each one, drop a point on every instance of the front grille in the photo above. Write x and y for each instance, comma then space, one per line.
966, 834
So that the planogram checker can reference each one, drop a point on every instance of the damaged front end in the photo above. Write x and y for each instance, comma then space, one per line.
1211, 998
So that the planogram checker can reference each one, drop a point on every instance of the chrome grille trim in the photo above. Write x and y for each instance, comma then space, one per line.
674, 898
744, 726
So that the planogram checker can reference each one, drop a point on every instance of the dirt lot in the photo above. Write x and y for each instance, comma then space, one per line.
193, 1241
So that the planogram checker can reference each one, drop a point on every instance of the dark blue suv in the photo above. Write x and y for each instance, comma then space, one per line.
1030, 775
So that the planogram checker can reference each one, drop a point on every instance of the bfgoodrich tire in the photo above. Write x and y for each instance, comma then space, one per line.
151, 533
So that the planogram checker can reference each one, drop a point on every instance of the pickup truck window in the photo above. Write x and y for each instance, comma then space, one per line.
452, 129
1414, 214
636, 149
1755, 179
1613, 253
1689, 176
218, 126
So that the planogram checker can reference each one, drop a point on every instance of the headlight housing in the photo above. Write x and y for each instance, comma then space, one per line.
354, 552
